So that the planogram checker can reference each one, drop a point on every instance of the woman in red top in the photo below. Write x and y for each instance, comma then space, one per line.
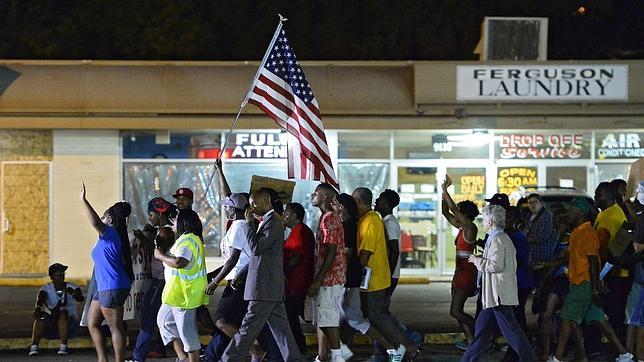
462, 216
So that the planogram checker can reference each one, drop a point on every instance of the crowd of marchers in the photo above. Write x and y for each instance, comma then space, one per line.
582, 271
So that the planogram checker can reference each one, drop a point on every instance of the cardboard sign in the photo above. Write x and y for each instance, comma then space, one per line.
141, 266
284, 188
635, 176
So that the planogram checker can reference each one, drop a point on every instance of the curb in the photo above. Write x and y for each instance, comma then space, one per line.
40, 281
37, 282
311, 340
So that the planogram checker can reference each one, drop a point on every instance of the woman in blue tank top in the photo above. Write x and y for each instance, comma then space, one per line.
113, 274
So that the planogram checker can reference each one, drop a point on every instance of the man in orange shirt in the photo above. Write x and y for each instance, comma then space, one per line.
582, 302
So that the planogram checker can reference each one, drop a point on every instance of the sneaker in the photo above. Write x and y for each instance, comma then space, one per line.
131, 359
33, 350
554, 359
624, 357
346, 351
62, 350
462, 345
317, 359
396, 355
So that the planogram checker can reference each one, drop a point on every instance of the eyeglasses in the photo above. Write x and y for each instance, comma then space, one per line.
58, 273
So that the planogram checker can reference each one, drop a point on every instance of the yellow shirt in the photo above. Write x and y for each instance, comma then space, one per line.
607, 224
371, 237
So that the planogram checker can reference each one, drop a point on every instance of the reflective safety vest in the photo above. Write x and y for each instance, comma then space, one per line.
185, 287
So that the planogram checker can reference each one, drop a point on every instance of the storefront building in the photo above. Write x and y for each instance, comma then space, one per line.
137, 130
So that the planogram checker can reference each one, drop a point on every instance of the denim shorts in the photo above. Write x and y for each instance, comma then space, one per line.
111, 298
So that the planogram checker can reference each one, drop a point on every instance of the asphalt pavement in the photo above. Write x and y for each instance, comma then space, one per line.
422, 307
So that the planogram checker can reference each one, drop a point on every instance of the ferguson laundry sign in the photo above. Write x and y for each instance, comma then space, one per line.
518, 83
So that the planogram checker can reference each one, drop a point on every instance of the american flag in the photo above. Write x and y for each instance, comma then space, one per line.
282, 92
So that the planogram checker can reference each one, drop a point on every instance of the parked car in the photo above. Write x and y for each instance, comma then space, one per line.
556, 197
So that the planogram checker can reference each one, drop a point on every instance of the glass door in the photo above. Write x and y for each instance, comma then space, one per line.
418, 214
468, 183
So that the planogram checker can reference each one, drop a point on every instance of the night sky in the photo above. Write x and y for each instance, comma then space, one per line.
318, 30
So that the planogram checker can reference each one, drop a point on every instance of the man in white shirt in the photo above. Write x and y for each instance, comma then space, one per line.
236, 253
385, 204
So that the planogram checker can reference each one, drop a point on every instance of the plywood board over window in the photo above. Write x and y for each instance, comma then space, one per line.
25, 217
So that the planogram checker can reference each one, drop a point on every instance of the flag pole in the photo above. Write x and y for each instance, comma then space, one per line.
250, 89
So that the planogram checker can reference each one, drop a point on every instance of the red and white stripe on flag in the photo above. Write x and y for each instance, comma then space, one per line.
283, 93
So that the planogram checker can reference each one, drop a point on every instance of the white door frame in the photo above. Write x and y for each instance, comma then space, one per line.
441, 166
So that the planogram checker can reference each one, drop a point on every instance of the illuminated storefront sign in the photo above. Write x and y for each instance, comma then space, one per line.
540, 146
472, 187
619, 145
510, 179
520, 83
259, 145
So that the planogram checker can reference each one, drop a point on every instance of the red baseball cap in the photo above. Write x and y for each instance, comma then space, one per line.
184, 191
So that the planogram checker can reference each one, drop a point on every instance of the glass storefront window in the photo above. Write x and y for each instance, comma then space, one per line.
418, 213
612, 145
145, 180
511, 179
566, 177
144, 145
611, 171
374, 176
537, 145
447, 145
468, 184
239, 177
266, 145
363, 145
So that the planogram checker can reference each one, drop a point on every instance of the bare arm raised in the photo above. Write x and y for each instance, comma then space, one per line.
93, 217
455, 216
224, 188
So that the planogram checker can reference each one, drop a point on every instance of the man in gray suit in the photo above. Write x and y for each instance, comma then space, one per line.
264, 285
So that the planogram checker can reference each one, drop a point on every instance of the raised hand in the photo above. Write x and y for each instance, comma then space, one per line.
218, 164
249, 214
447, 183
83, 192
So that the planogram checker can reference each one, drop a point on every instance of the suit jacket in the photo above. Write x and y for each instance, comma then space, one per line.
498, 268
265, 279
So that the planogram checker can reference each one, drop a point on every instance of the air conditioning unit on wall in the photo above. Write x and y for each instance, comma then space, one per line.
513, 38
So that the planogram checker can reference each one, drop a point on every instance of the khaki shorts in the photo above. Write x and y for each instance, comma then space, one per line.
327, 306
178, 323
